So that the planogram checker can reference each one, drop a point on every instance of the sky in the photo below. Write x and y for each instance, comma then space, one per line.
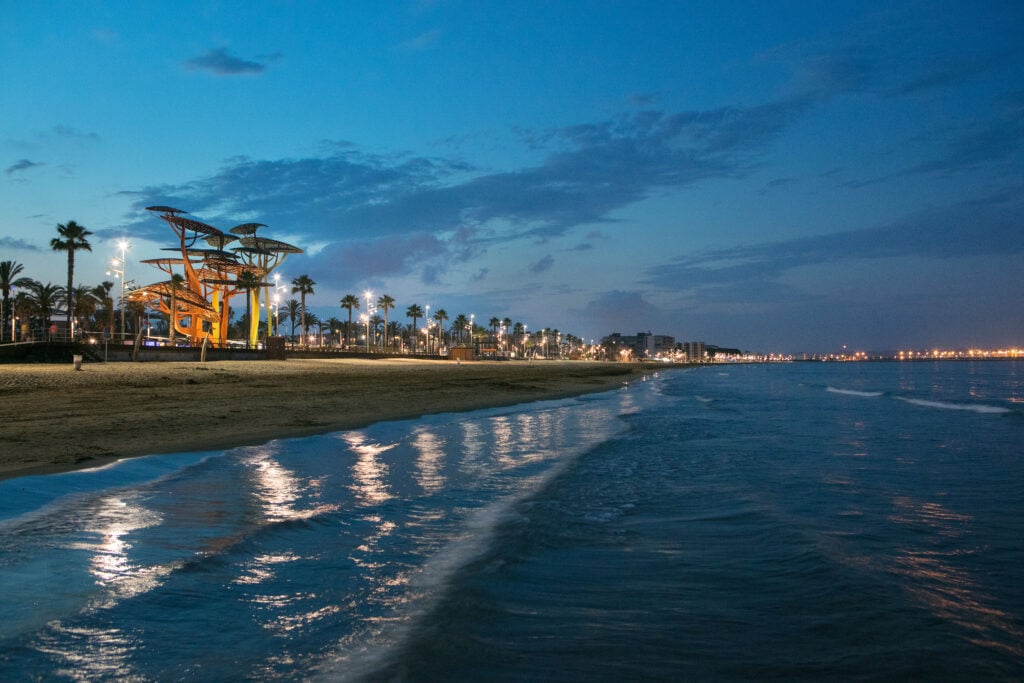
775, 176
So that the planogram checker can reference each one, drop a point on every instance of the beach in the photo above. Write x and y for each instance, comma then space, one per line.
54, 418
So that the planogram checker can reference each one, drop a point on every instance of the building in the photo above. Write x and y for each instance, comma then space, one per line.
694, 351
640, 346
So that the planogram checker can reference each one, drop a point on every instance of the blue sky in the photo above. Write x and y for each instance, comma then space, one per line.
777, 176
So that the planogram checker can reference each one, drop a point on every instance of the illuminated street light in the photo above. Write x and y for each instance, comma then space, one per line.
117, 270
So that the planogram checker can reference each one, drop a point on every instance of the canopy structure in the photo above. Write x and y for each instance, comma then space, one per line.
207, 274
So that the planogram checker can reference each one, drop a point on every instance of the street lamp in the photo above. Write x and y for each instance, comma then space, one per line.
117, 270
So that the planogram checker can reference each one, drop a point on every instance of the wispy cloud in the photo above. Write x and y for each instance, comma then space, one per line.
423, 41
351, 199
18, 244
986, 226
22, 165
220, 62
542, 265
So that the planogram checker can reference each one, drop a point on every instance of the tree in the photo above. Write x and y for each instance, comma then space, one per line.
43, 299
293, 308
303, 285
312, 320
459, 326
386, 303
335, 326
102, 294
71, 238
440, 316
351, 302
393, 330
375, 322
9, 279
86, 303
414, 312
22, 306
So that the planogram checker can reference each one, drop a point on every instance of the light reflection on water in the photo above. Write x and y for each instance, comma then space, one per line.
936, 581
430, 448
369, 471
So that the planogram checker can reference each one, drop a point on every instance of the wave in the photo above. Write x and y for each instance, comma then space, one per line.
943, 405
854, 392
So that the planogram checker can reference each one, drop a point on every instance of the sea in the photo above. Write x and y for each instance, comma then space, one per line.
799, 521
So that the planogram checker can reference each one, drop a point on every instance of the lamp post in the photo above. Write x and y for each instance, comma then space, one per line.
117, 270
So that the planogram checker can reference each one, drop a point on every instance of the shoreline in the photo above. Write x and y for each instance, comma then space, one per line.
55, 419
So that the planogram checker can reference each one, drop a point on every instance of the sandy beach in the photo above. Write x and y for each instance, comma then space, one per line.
54, 418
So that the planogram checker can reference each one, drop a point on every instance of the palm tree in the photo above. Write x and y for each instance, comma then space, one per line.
385, 303
440, 316
349, 301
335, 326
86, 303
71, 237
44, 299
312, 320
102, 294
414, 312
293, 307
8, 279
303, 285
393, 330
375, 322
22, 307
517, 333
459, 326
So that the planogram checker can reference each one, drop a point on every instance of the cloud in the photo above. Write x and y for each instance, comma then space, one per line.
434, 212
424, 41
980, 144
542, 265
219, 62
620, 310
17, 244
989, 226
22, 165
70, 133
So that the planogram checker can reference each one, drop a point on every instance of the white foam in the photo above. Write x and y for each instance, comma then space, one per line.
977, 408
854, 392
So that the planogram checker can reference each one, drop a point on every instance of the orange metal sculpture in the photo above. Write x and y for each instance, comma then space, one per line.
196, 299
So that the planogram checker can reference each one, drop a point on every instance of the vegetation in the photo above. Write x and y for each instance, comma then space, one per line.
303, 285
71, 237
28, 306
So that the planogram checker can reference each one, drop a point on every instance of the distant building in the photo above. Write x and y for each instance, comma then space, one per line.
639, 346
694, 351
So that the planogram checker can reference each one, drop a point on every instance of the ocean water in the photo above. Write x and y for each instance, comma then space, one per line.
797, 522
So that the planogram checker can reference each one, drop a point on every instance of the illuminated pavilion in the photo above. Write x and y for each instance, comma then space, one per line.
206, 273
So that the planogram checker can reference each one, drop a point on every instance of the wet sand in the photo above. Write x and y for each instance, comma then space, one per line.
53, 418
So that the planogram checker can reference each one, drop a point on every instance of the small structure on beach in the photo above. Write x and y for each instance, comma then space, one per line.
206, 273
